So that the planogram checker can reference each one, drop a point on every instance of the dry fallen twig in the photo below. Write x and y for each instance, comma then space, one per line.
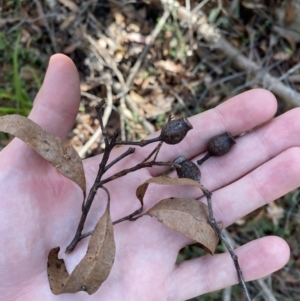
266, 292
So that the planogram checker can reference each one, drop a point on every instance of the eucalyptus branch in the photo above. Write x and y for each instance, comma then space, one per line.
154, 152
140, 143
79, 236
86, 206
172, 132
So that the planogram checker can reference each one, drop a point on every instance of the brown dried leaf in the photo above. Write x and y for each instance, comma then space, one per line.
164, 180
71, 48
169, 66
251, 5
137, 98
275, 212
67, 22
189, 217
93, 269
290, 13
281, 56
62, 156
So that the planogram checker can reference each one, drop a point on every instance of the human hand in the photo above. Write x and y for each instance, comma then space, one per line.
40, 208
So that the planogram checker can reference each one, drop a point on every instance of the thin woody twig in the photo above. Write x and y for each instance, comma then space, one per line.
134, 168
88, 203
139, 143
102, 126
131, 217
129, 151
221, 235
155, 152
98, 184
223, 239
266, 292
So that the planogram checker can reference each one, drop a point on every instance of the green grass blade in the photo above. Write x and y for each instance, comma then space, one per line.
16, 77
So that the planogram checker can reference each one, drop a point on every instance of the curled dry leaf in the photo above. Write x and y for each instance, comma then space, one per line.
62, 156
93, 269
187, 216
164, 180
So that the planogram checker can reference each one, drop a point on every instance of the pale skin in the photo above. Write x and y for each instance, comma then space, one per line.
40, 209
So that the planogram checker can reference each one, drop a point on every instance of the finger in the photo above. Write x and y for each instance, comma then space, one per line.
252, 150
237, 115
210, 273
56, 105
266, 183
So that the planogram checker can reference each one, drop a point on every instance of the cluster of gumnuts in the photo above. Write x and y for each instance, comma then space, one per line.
172, 132
175, 130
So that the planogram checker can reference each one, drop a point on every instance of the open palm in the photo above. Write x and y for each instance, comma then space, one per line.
40, 209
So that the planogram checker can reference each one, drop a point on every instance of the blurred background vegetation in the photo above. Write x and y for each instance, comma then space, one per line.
150, 61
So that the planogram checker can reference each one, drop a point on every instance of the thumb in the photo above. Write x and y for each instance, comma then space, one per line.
56, 105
